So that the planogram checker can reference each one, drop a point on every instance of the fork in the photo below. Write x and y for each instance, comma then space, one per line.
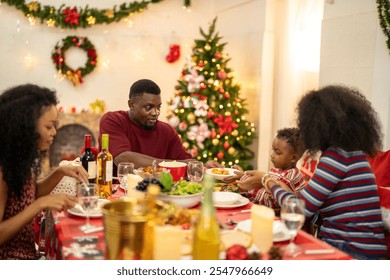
239, 212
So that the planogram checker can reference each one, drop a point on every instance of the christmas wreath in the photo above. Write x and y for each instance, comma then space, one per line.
58, 56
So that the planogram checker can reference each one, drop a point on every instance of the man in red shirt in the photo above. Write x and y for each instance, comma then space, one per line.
137, 135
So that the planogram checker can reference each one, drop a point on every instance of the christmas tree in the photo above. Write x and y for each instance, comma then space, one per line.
207, 110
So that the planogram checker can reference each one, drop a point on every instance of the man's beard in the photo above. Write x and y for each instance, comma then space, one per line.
149, 127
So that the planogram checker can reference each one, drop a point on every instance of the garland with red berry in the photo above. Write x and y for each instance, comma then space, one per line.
75, 17
58, 57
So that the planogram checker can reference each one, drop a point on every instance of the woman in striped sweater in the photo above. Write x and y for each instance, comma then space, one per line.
341, 123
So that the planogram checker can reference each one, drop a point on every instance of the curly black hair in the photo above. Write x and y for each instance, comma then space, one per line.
20, 108
338, 116
292, 137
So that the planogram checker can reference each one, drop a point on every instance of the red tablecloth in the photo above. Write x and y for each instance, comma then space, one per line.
64, 239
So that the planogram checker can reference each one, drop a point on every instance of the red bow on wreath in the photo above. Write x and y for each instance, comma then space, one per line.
174, 53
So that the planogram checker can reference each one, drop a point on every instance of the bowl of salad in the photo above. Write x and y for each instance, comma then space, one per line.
182, 193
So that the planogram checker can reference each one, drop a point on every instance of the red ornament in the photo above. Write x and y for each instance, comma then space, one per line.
236, 252
220, 155
221, 90
203, 86
222, 75
226, 145
200, 63
213, 134
174, 53
210, 114
217, 55
227, 95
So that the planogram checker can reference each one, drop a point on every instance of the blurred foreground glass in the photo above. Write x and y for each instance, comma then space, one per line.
124, 169
293, 216
195, 171
88, 199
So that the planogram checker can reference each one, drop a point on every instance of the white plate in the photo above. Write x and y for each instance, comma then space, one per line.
225, 198
221, 176
78, 211
241, 202
279, 230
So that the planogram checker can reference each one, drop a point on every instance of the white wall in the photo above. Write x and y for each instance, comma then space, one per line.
354, 52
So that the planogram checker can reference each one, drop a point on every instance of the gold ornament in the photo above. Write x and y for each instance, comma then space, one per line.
99, 106
191, 118
51, 22
33, 6
215, 141
186, 145
235, 132
91, 20
231, 151
109, 13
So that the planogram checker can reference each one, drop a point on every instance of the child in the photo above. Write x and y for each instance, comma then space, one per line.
287, 149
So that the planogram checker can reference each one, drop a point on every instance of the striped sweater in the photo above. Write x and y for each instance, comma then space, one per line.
344, 192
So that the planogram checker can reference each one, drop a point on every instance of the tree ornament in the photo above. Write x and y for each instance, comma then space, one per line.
58, 57
191, 117
174, 53
217, 55
226, 145
215, 141
222, 75
231, 151
220, 155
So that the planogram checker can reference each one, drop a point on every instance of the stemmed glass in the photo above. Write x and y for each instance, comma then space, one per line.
195, 171
124, 169
293, 216
88, 199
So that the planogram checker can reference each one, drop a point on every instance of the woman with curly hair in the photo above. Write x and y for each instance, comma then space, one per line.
341, 123
28, 119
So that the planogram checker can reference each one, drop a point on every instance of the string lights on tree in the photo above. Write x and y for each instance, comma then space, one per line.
207, 110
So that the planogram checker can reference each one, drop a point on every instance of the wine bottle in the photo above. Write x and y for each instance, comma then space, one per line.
104, 170
206, 233
88, 159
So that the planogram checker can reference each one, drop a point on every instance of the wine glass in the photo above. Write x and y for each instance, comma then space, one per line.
88, 200
195, 171
124, 169
293, 216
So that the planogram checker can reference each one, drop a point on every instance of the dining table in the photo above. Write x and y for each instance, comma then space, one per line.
64, 240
